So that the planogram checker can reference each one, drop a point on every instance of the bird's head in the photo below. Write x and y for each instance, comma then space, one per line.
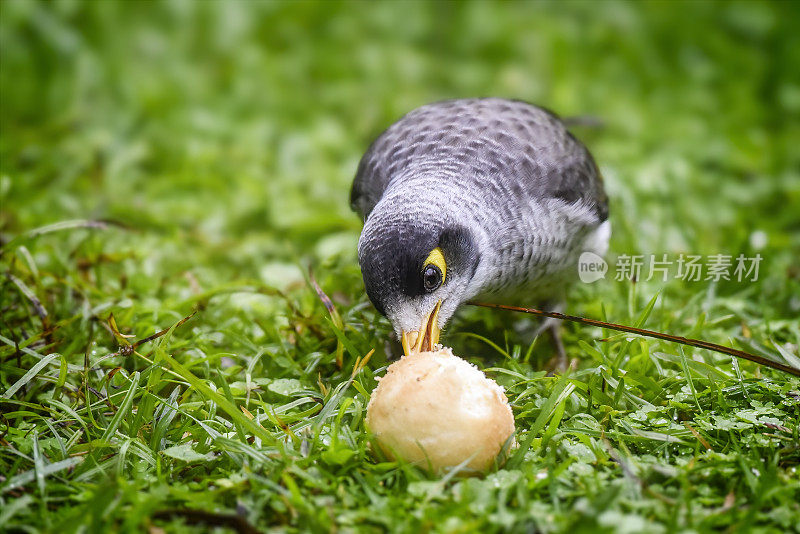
417, 270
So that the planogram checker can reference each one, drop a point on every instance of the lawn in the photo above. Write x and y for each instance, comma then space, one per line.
159, 159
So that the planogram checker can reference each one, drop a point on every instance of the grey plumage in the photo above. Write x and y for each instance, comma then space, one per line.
520, 147
519, 197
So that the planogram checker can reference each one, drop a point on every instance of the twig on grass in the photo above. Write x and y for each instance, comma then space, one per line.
128, 349
647, 333
336, 319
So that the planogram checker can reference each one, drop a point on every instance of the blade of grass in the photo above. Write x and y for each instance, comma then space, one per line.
561, 391
32, 372
227, 406
123, 411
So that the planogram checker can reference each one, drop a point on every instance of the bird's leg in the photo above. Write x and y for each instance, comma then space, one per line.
552, 326
559, 361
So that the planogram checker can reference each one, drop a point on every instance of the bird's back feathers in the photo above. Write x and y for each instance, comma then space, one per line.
526, 148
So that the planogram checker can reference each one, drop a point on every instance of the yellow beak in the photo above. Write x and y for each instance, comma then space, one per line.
426, 337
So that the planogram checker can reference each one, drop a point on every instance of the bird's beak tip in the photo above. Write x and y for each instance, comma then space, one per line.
426, 338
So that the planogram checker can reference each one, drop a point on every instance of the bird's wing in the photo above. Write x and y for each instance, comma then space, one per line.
525, 146
370, 181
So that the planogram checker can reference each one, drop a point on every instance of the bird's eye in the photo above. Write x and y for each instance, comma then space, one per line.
431, 278
434, 270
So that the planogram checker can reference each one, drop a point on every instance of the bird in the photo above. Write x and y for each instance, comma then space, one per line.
478, 198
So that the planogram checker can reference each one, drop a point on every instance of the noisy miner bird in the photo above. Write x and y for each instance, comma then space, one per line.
476, 198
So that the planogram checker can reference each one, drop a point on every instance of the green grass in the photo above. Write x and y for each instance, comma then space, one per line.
218, 141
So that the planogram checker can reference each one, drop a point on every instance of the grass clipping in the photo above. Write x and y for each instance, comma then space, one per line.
437, 411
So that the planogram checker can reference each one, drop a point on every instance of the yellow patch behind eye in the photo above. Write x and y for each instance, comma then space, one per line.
437, 258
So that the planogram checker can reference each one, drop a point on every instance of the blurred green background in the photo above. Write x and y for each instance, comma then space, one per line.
222, 138
250, 117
